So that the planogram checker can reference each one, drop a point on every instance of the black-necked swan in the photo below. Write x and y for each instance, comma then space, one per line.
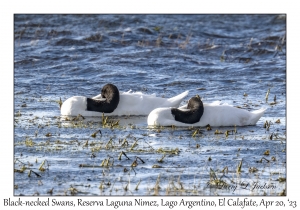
196, 113
113, 102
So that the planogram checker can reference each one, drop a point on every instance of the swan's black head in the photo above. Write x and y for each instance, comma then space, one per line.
194, 102
193, 114
109, 102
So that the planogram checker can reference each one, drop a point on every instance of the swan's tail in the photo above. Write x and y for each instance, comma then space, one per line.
256, 115
176, 100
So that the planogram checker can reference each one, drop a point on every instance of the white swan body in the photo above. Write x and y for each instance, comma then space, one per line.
130, 104
214, 115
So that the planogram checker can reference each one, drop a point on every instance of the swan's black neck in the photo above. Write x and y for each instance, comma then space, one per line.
192, 115
112, 97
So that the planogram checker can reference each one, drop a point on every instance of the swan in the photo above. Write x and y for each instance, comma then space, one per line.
196, 113
113, 102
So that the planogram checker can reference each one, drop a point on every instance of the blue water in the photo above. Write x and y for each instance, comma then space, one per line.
232, 58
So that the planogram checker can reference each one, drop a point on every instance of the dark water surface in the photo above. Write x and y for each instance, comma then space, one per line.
232, 58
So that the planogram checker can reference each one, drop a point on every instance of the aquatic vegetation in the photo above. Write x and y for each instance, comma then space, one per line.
132, 152
267, 94
239, 168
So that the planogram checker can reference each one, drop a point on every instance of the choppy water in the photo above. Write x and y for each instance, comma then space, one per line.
233, 58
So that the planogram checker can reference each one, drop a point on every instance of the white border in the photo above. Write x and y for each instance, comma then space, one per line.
8, 9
